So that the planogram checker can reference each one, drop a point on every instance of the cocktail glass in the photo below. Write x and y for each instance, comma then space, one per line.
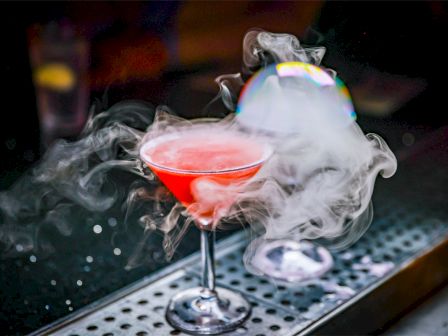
291, 261
287, 260
222, 161
287, 101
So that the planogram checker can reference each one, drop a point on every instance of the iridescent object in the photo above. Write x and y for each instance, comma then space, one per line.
289, 97
293, 99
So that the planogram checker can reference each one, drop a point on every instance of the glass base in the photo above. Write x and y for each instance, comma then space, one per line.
199, 311
287, 260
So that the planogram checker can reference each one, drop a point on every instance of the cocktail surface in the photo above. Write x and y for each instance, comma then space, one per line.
222, 157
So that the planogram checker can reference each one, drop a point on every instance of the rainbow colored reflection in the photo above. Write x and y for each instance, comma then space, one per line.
309, 78
305, 70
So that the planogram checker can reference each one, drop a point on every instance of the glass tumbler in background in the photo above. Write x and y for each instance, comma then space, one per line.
59, 60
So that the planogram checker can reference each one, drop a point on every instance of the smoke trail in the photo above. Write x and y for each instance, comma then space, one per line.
261, 48
317, 185
75, 173
321, 179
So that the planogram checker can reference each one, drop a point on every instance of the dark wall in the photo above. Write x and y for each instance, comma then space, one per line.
381, 49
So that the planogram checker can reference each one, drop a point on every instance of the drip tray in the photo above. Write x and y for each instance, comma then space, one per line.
398, 261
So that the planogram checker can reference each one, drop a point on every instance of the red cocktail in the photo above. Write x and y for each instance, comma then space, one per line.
205, 168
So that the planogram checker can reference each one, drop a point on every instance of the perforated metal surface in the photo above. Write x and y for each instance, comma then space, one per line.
411, 217
277, 310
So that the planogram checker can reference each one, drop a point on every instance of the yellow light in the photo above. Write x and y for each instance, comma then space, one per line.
55, 76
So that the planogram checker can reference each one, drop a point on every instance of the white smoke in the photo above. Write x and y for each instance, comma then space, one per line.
318, 184
322, 176
77, 173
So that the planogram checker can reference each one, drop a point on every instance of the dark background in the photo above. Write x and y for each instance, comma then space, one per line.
390, 55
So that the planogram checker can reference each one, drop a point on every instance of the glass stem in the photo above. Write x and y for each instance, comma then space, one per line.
208, 259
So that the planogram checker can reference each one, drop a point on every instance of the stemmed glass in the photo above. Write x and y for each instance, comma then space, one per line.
208, 309
281, 101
